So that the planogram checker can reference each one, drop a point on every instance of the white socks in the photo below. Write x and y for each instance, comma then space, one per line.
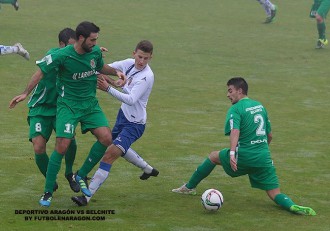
134, 158
267, 5
99, 177
4, 50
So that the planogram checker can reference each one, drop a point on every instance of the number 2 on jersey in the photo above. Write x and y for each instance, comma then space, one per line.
258, 119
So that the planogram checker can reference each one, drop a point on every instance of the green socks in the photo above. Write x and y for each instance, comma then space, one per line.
42, 162
42, 159
54, 166
284, 201
201, 172
70, 156
321, 30
95, 155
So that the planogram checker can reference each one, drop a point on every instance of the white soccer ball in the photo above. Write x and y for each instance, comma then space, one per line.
212, 199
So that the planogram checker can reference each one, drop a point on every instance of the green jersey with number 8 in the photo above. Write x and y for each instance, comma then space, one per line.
44, 96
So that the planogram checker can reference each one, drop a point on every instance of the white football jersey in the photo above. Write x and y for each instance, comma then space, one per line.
135, 93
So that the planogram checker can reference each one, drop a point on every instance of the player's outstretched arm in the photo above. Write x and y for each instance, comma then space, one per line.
16, 100
37, 76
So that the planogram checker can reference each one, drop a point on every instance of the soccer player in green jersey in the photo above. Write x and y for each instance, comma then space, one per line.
13, 2
42, 115
77, 66
249, 129
319, 11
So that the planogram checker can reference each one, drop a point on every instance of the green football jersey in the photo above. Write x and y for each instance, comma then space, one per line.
251, 119
318, 2
77, 76
43, 98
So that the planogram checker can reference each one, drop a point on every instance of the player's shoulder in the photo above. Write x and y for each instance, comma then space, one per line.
57, 51
127, 63
254, 102
149, 72
252, 106
96, 48
257, 104
123, 65
52, 50
96, 51
245, 104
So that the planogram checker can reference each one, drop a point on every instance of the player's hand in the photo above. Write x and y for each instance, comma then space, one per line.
119, 83
103, 49
233, 163
121, 77
102, 84
16, 100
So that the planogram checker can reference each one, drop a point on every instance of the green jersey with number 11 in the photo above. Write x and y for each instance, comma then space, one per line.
251, 119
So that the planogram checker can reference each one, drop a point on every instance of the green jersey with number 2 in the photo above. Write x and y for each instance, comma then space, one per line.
251, 119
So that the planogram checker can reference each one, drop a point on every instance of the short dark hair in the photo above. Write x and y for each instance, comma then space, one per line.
86, 28
145, 46
239, 82
65, 35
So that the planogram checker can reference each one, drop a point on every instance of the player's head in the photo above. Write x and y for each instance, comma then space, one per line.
237, 88
87, 33
142, 54
145, 46
66, 36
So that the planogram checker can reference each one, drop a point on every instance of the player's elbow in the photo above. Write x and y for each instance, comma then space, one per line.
130, 101
269, 137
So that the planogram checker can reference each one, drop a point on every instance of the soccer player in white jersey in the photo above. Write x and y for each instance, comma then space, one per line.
270, 10
131, 118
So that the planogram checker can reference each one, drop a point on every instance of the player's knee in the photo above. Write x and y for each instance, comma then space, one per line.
39, 149
106, 140
39, 144
214, 157
318, 18
62, 145
112, 154
104, 137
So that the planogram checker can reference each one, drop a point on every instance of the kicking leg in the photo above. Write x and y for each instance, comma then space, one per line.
134, 158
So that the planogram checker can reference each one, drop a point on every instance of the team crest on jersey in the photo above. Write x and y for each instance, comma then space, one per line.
129, 81
93, 63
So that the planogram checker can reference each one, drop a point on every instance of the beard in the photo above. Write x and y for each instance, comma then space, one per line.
86, 48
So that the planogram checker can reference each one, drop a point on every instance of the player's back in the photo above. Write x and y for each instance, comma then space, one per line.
254, 127
45, 94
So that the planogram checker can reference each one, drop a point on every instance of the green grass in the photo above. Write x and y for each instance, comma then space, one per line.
199, 45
